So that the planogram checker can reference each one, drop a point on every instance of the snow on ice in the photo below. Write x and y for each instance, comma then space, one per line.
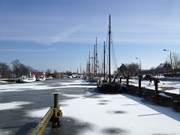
12, 105
121, 112
118, 113
41, 86
37, 113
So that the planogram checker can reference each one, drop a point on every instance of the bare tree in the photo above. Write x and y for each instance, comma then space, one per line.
5, 71
55, 74
48, 73
176, 61
19, 69
133, 69
122, 70
128, 70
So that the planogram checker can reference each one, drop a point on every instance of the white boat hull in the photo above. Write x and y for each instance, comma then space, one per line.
29, 80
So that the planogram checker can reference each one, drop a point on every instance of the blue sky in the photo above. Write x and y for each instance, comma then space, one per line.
59, 34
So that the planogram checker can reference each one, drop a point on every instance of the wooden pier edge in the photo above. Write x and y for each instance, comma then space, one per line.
54, 113
39, 129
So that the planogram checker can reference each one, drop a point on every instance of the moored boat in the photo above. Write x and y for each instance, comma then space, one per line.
41, 78
25, 79
107, 85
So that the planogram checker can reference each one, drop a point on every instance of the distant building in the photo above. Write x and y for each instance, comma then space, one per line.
37, 73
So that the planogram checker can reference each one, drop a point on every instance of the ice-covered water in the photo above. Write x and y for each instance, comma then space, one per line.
43, 86
103, 114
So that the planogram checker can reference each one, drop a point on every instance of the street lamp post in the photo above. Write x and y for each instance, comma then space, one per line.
139, 77
137, 58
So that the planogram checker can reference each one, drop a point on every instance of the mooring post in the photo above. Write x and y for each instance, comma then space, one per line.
127, 81
120, 80
139, 81
56, 100
139, 84
156, 81
56, 112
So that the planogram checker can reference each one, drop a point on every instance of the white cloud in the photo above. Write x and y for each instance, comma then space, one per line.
130, 29
66, 35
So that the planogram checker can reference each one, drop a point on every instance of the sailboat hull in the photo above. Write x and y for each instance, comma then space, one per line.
111, 88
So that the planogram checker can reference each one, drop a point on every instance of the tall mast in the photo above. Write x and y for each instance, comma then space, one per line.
92, 66
104, 64
89, 65
96, 56
109, 36
94, 60
80, 69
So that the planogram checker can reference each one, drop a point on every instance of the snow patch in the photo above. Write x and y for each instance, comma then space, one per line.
38, 86
37, 113
13, 105
77, 86
74, 82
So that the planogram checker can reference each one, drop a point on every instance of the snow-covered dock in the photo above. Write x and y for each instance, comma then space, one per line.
166, 86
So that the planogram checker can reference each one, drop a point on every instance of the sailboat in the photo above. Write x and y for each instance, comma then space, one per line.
107, 85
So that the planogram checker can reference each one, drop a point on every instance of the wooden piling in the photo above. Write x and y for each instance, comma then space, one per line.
56, 100
56, 113
127, 81
120, 80
156, 81
139, 81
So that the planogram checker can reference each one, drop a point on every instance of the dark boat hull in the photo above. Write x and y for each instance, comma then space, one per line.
111, 88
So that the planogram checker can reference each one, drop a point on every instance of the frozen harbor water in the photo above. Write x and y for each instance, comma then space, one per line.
85, 112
